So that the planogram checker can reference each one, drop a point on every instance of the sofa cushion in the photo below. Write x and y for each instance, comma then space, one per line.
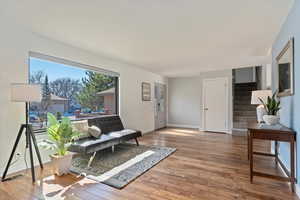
107, 124
121, 133
89, 145
126, 134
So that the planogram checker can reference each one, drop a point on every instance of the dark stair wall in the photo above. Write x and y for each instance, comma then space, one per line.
243, 112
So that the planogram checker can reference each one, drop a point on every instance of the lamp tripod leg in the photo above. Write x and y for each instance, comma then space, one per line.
35, 146
28, 137
13, 151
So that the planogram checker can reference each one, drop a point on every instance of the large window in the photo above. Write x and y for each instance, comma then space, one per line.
70, 89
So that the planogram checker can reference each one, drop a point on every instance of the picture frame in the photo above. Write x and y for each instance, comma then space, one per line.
285, 67
146, 91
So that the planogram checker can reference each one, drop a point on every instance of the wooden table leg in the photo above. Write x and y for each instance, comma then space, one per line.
292, 165
276, 153
251, 156
248, 144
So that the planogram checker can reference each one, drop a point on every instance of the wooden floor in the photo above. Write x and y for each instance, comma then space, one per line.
205, 166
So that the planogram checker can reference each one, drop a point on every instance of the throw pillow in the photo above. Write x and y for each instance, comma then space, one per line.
95, 131
82, 127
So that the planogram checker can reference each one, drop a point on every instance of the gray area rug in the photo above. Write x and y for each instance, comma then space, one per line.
122, 166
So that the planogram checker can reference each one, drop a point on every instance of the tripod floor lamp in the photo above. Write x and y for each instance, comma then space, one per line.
21, 92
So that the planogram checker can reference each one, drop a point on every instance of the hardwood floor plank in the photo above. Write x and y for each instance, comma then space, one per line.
206, 166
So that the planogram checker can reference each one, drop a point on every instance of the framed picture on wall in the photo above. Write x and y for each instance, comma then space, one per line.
146, 91
285, 65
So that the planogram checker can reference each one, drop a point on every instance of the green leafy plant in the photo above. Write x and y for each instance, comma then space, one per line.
272, 106
60, 134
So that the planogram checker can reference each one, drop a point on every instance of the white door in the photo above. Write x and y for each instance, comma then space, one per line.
160, 106
215, 105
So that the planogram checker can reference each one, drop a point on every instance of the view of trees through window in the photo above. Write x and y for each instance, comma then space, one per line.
70, 91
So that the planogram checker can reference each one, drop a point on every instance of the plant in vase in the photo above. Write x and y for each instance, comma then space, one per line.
272, 107
61, 135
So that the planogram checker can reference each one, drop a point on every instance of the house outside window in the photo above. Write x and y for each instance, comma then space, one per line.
70, 90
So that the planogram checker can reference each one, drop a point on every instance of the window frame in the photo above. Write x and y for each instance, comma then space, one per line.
74, 64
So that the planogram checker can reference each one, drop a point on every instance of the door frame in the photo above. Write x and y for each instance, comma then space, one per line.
204, 81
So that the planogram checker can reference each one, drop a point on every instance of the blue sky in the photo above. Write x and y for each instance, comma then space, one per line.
56, 70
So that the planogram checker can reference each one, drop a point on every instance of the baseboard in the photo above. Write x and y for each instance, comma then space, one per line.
23, 167
297, 190
239, 129
183, 126
225, 131
297, 186
148, 132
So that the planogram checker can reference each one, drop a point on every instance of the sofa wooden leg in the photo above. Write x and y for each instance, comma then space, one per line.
137, 142
92, 158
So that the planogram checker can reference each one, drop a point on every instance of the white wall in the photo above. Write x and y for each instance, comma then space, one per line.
185, 99
14, 50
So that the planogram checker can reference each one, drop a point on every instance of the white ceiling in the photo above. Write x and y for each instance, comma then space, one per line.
168, 37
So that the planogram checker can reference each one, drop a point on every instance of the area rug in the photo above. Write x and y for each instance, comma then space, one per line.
122, 166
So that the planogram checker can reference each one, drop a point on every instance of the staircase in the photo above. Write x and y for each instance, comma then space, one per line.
243, 112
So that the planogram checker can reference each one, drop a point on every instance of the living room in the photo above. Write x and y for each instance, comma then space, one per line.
141, 78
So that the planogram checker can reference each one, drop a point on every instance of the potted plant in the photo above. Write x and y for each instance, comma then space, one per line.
61, 135
272, 107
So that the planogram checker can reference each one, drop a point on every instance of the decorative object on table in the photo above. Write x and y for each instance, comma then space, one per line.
272, 107
255, 100
285, 65
146, 91
61, 135
22, 92
125, 164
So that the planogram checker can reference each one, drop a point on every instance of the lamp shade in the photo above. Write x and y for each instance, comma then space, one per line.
22, 92
263, 94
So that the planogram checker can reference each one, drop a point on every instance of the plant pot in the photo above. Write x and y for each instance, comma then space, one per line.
61, 164
271, 119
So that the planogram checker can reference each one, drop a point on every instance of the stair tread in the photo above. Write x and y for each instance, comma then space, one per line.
243, 112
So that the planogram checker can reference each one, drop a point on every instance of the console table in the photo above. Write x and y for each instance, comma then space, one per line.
282, 134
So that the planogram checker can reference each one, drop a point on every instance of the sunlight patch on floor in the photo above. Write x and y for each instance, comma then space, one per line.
180, 132
186, 131
49, 188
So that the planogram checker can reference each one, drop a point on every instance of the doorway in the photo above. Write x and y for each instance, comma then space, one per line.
160, 105
245, 80
215, 105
